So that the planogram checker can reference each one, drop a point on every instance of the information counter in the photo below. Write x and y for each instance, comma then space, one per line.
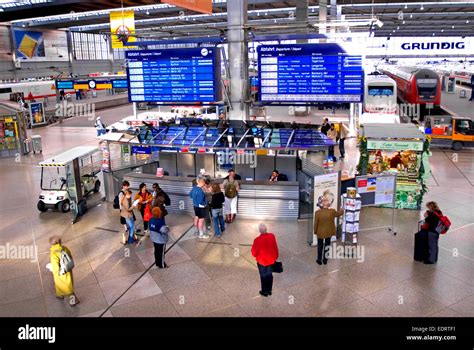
257, 199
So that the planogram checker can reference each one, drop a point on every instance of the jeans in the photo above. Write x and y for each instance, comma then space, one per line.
342, 149
160, 255
219, 224
131, 229
100, 132
331, 153
266, 277
208, 217
323, 244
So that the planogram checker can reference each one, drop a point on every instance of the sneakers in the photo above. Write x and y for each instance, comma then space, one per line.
203, 236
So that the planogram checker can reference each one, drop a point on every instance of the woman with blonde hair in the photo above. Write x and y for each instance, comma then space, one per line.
324, 227
62, 270
217, 200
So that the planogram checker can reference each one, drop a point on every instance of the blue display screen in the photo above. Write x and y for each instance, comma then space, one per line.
120, 84
174, 75
64, 85
309, 73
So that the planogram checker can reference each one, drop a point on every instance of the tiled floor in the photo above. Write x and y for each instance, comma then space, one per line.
218, 277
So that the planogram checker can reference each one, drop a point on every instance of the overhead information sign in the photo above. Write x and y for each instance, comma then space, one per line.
174, 75
309, 73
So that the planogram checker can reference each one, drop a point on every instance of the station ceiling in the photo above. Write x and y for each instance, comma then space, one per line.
156, 20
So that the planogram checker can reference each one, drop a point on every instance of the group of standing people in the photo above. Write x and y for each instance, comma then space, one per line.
210, 202
338, 136
152, 208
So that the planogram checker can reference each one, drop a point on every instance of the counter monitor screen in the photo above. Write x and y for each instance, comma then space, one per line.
309, 73
174, 76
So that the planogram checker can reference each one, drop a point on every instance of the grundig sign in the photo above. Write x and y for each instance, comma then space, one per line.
434, 46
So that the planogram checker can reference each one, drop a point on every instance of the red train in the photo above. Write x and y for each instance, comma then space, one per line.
416, 85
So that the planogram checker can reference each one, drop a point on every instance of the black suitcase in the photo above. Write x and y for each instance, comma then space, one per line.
421, 246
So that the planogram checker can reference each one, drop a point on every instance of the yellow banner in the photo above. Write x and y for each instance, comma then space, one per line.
202, 6
122, 23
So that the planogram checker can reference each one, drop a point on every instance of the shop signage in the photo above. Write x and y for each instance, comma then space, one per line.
141, 150
395, 145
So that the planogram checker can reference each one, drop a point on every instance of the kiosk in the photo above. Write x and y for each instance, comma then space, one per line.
401, 149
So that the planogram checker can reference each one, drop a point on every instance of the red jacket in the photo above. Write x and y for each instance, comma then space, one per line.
265, 249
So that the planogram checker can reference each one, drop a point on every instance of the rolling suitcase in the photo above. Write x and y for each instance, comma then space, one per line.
421, 244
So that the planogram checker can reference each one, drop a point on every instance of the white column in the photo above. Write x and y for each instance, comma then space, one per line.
238, 58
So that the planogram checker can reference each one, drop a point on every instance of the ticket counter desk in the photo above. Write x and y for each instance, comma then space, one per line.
257, 199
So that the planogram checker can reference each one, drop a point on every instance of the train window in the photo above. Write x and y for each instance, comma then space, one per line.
427, 88
380, 90
5, 90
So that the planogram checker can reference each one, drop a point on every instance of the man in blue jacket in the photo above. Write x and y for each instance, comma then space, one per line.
200, 204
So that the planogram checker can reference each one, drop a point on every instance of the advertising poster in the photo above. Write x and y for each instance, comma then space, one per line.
122, 23
37, 114
326, 188
28, 44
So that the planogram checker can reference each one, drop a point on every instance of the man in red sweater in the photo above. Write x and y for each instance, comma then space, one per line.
265, 251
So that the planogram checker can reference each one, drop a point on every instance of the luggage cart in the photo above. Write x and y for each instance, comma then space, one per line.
37, 144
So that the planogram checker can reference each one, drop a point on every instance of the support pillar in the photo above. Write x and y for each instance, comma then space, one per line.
323, 16
302, 17
238, 59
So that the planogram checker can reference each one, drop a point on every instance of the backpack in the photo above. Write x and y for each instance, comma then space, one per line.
66, 264
443, 225
231, 191
117, 201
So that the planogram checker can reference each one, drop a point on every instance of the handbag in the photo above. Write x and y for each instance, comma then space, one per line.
147, 214
277, 267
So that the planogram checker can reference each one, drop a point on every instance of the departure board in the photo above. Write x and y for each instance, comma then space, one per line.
174, 75
309, 73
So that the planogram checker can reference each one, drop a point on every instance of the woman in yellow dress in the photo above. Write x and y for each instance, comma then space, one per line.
63, 282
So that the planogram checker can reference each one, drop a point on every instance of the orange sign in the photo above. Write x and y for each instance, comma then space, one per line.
202, 6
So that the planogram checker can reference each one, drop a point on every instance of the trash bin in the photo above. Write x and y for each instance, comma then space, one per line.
463, 93
26, 146
36, 142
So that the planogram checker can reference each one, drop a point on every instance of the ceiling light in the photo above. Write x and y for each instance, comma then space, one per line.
411, 16
433, 34
442, 30
422, 8
398, 27
403, 22
467, 22
147, 12
406, 6
452, 27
